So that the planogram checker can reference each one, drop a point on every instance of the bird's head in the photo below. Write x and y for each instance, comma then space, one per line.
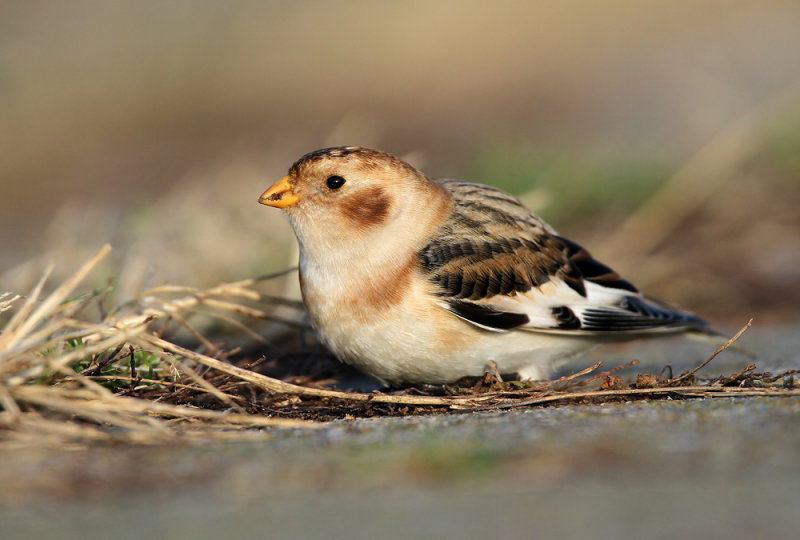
357, 184
349, 193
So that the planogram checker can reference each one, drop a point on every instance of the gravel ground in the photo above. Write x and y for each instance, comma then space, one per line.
717, 468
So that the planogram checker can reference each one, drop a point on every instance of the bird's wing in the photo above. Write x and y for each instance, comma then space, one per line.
498, 266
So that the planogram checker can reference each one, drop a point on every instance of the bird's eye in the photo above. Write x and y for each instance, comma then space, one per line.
334, 182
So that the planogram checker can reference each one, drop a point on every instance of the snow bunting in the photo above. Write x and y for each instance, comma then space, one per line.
415, 280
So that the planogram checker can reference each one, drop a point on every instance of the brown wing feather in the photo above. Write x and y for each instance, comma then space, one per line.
466, 261
522, 252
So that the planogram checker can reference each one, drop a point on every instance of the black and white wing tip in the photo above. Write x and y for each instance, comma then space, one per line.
632, 314
587, 297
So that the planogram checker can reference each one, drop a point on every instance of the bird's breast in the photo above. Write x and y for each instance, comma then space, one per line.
374, 314
359, 292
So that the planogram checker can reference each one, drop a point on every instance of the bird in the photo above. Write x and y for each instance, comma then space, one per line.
414, 280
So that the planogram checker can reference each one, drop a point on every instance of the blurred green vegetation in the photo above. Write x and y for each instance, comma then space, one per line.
782, 152
575, 188
578, 189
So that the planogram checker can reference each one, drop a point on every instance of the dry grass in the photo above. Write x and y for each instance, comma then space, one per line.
67, 379
45, 394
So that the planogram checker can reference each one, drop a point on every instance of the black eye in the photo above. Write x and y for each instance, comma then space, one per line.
334, 182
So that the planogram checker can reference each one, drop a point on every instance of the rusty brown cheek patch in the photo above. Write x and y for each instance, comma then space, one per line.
368, 208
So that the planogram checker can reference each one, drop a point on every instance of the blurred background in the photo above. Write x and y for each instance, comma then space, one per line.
664, 136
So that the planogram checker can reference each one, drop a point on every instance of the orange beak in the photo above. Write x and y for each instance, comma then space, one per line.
280, 195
